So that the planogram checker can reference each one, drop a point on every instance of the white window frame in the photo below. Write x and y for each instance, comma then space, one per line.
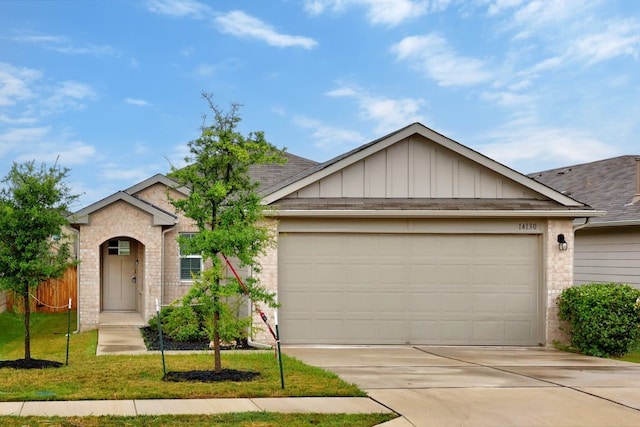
190, 257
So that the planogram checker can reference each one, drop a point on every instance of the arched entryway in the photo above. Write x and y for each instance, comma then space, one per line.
121, 274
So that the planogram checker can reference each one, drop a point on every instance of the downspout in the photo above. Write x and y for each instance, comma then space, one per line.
77, 250
164, 235
579, 226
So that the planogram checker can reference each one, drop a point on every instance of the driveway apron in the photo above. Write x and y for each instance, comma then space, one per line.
488, 386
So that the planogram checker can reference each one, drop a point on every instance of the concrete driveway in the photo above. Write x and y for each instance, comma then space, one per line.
487, 386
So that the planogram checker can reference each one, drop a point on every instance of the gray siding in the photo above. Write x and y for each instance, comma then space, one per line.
608, 255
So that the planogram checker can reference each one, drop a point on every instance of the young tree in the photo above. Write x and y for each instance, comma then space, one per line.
33, 208
227, 209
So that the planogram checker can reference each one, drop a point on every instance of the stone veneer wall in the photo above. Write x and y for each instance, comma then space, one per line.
559, 275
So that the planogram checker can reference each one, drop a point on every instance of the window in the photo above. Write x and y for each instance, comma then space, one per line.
190, 264
119, 247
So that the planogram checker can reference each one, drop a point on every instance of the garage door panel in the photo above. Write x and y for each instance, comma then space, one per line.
418, 289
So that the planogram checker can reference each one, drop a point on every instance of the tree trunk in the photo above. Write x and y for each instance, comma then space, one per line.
27, 319
216, 338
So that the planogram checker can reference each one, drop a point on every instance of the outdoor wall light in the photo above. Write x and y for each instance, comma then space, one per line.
562, 243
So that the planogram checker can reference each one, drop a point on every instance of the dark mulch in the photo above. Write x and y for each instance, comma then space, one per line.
152, 341
29, 364
211, 376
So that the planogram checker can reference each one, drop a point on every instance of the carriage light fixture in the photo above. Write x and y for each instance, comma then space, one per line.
562, 243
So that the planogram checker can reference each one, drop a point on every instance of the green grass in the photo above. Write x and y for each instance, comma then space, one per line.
245, 419
90, 377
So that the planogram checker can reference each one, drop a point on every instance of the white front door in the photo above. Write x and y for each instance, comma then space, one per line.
119, 275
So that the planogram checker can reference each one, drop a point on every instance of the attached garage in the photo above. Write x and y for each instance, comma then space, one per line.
411, 288
416, 239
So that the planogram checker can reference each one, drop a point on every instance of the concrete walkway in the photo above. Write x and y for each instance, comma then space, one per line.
324, 405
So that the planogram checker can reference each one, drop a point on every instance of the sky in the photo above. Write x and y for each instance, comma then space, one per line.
112, 89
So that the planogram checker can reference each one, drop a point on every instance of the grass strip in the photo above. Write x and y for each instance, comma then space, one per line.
245, 419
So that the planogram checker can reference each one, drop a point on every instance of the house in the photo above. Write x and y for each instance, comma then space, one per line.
410, 239
607, 248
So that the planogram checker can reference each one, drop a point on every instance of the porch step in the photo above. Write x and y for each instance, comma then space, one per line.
120, 340
120, 318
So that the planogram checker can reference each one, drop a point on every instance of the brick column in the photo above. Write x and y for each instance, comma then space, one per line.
559, 275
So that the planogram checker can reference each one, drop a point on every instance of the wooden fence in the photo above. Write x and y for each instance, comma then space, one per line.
51, 294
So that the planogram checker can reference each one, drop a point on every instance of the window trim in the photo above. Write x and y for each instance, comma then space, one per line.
182, 256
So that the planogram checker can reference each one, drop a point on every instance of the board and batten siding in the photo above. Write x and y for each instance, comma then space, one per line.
414, 168
607, 256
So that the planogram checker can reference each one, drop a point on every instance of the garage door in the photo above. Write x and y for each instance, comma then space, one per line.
409, 289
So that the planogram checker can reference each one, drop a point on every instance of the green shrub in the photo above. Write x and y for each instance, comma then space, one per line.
604, 317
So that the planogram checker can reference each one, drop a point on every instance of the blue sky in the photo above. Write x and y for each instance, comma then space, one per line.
112, 88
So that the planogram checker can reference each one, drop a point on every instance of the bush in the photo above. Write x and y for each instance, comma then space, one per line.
604, 317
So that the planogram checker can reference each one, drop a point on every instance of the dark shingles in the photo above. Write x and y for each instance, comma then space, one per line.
273, 174
607, 185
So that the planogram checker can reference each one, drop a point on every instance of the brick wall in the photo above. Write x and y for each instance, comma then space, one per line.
269, 279
559, 275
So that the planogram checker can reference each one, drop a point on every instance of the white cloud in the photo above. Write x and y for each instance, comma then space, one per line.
620, 38
179, 8
522, 141
67, 153
116, 172
389, 114
68, 95
43, 145
383, 12
15, 84
240, 24
432, 55
62, 44
137, 102
330, 138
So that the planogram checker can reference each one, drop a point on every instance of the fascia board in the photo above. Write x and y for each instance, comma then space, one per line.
157, 179
402, 213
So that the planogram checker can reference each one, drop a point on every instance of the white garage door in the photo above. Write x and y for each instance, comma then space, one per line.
409, 289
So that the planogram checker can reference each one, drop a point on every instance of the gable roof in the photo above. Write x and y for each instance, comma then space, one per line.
160, 216
157, 179
608, 185
278, 192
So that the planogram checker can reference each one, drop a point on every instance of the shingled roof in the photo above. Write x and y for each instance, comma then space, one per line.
270, 175
607, 185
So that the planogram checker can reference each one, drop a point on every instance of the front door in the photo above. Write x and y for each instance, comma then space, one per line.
119, 275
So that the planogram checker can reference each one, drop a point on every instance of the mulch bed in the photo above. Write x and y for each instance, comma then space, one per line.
29, 364
152, 341
211, 376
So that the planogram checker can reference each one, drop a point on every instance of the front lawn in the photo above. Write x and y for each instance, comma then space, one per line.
89, 377
245, 419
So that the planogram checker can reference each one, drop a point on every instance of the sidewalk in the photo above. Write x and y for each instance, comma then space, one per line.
323, 405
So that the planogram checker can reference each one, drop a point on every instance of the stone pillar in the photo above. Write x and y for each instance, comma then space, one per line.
559, 275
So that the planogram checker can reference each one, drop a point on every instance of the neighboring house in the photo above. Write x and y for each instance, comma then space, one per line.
410, 239
607, 247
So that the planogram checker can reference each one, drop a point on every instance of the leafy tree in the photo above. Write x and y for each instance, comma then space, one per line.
33, 208
225, 205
